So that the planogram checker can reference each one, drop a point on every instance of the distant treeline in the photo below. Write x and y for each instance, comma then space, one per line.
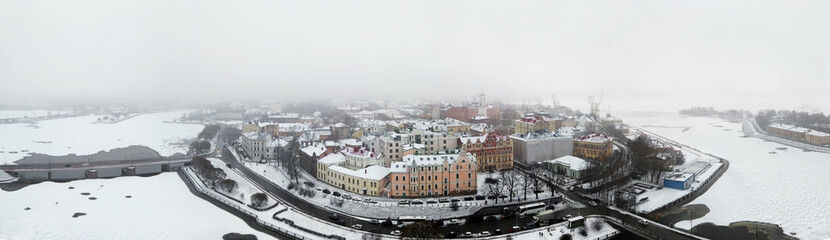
803, 119
710, 111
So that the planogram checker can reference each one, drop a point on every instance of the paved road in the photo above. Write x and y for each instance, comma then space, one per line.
322, 212
629, 221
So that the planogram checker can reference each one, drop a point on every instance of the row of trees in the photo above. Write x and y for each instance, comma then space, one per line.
216, 178
511, 182
766, 117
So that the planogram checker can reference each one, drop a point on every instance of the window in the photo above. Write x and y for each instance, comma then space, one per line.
456, 176
396, 178
469, 175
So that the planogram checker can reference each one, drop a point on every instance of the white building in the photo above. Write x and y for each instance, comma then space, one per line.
535, 147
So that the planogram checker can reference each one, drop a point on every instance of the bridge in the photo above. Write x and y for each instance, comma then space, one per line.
94, 169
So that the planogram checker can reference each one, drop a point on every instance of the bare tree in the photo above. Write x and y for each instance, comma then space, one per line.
510, 181
494, 187
526, 181
538, 185
228, 185
258, 199
214, 175
419, 230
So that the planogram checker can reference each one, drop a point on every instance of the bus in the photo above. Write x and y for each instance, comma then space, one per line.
411, 219
532, 208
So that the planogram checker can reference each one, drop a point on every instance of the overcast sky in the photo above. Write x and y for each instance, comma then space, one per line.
648, 55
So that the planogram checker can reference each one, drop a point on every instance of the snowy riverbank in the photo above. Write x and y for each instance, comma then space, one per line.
777, 188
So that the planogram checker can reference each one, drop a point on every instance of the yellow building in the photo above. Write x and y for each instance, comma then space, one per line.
817, 138
532, 124
594, 147
370, 180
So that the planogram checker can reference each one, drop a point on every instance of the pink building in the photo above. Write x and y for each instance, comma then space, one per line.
433, 175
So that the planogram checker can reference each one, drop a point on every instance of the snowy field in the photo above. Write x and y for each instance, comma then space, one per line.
160, 207
80, 136
783, 188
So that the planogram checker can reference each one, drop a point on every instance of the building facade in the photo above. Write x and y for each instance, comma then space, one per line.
370, 180
598, 147
534, 147
492, 151
433, 175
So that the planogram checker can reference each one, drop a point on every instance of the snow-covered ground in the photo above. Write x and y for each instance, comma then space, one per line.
554, 232
266, 217
80, 136
160, 207
244, 188
785, 188
384, 207
655, 197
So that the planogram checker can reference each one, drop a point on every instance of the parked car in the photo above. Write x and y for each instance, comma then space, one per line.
347, 196
479, 197
515, 229
644, 222
453, 221
403, 201
593, 203
485, 234
467, 235
334, 216
326, 191
498, 231
374, 221
336, 194
368, 200
85, 165
530, 225
443, 200
455, 200
396, 233
357, 226
417, 201
470, 198
430, 201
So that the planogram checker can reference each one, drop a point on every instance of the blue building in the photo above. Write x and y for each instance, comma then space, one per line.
681, 181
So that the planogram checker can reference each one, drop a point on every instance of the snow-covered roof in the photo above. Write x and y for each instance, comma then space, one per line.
799, 129
482, 138
314, 149
682, 177
818, 134
373, 172
537, 135
426, 160
413, 146
332, 159
350, 142
594, 138
574, 163
360, 153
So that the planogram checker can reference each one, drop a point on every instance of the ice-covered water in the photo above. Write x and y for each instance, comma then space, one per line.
787, 188
80, 136
159, 207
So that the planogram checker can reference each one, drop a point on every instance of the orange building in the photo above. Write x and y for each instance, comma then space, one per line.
433, 175
492, 151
